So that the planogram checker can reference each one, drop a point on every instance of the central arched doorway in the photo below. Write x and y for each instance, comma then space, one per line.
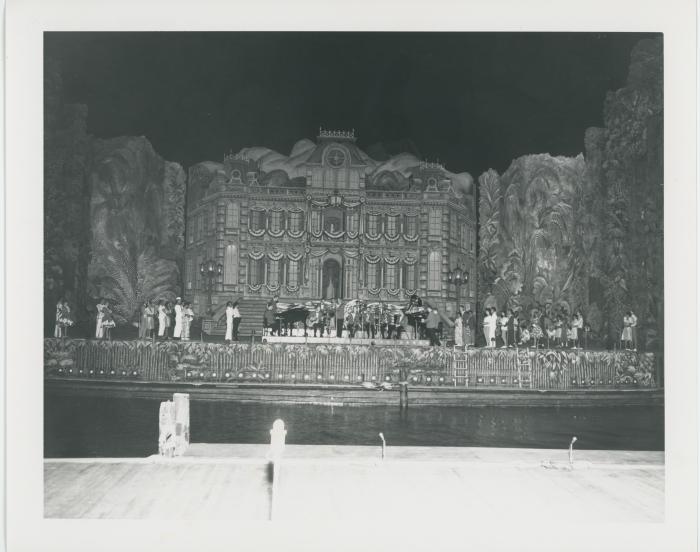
331, 281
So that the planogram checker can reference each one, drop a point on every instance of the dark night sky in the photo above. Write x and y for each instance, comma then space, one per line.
473, 100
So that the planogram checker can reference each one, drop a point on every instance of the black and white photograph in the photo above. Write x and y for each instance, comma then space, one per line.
411, 278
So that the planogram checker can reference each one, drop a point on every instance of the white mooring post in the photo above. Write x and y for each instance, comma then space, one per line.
174, 426
278, 435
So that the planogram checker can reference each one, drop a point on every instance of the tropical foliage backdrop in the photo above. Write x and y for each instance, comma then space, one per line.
586, 232
113, 215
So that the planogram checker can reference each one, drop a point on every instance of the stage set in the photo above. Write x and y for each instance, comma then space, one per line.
328, 363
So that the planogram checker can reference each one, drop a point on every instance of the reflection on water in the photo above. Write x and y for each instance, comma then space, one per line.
88, 427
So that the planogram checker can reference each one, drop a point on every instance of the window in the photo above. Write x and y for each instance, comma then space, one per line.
273, 272
434, 271
353, 222
200, 226
189, 274
435, 223
190, 231
333, 220
391, 280
232, 215
211, 219
409, 276
454, 227
296, 221
392, 225
231, 265
257, 219
315, 221
372, 225
372, 279
198, 273
411, 226
276, 221
350, 278
293, 273
256, 271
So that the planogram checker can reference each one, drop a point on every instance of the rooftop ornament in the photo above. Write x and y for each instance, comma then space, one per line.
343, 134
429, 165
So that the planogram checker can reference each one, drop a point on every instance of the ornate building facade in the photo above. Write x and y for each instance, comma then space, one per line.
328, 221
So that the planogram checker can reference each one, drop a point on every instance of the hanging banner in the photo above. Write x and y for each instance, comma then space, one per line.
256, 255
372, 259
275, 256
392, 259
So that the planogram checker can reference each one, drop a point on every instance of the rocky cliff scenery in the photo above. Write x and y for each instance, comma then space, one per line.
586, 232
113, 215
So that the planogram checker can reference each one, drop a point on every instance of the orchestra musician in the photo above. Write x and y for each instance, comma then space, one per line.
384, 324
339, 317
368, 323
350, 323
317, 320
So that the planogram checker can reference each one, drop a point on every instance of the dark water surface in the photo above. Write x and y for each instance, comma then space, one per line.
108, 427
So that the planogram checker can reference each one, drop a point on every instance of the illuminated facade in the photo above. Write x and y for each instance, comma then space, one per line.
328, 221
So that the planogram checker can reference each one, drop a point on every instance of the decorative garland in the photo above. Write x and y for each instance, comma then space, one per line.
334, 235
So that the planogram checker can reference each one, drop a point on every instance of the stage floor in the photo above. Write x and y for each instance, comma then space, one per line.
347, 341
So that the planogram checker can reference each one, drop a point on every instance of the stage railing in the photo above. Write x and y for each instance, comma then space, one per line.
174, 361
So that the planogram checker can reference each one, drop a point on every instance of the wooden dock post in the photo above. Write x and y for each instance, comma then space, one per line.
181, 403
403, 387
174, 426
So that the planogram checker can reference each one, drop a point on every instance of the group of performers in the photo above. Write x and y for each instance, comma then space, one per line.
363, 319
353, 319
508, 329
165, 320
161, 319
64, 320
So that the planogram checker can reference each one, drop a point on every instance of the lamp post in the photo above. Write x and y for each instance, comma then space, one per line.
210, 270
459, 277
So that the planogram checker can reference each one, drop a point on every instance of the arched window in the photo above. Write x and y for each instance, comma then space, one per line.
434, 271
231, 265
232, 211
